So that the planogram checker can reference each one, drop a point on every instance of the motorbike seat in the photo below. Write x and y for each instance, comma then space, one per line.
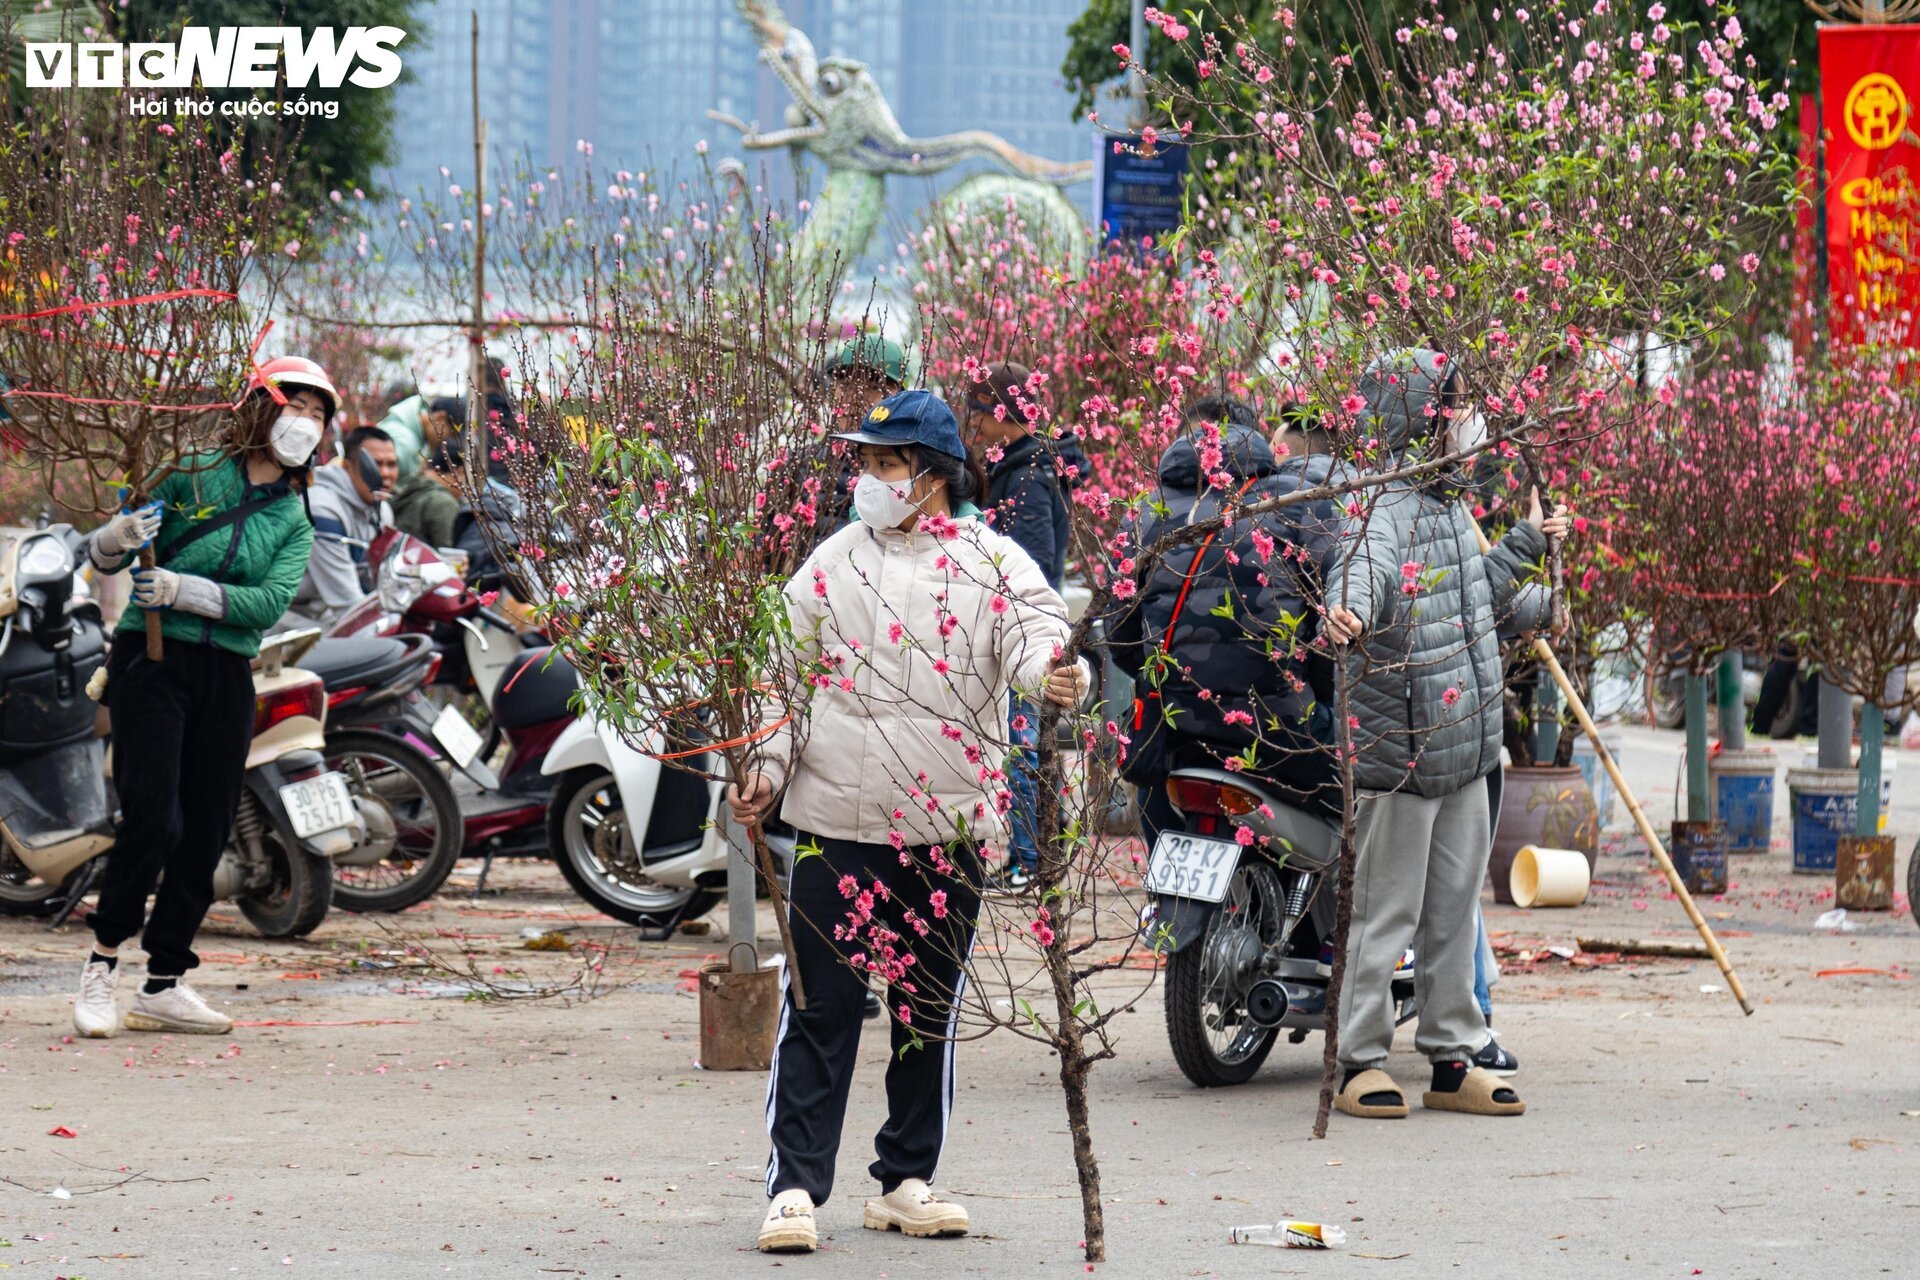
360, 660
534, 690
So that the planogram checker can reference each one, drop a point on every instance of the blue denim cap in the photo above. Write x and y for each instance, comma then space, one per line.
910, 417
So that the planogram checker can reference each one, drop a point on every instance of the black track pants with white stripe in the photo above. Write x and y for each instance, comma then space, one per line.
842, 927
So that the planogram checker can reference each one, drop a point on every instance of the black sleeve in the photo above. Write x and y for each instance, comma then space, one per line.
1026, 514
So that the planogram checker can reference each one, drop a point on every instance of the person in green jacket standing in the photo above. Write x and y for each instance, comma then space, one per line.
231, 541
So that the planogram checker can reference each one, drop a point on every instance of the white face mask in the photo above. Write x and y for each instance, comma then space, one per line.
1466, 431
294, 438
882, 505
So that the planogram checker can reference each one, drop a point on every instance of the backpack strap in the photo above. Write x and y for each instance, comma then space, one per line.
226, 519
1186, 584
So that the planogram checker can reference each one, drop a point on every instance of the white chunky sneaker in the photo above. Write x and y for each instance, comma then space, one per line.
912, 1209
178, 1008
788, 1226
94, 1014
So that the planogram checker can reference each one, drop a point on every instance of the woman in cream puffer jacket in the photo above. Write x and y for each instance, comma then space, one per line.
905, 645
909, 629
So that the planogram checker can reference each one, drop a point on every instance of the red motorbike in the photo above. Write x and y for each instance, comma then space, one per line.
493, 679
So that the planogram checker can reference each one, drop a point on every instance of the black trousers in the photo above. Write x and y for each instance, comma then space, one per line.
181, 730
842, 929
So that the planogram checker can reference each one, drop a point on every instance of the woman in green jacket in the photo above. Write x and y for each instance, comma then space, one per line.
232, 540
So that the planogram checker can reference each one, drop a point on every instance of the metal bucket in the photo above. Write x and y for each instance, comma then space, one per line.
1699, 851
739, 1017
1742, 797
1863, 873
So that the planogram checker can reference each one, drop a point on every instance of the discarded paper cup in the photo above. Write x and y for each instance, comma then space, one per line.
1549, 877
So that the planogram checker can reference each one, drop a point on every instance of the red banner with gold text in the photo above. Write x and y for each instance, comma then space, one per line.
1869, 83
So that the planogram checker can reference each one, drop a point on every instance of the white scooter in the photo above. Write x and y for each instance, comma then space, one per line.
639, 839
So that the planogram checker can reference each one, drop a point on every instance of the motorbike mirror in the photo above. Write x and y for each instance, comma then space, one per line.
369, 472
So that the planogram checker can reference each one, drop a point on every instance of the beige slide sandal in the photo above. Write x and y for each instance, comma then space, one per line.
1372, 1080
1475, 1096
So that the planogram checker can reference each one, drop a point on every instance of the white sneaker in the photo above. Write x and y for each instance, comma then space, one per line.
912, 1209
178, 1008
94, 1014
788, 1226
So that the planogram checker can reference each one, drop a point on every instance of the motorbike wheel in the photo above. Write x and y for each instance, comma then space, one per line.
1913, 882
21, 892
1207, 981
584, 821
385, 770
1667, 699
296, 899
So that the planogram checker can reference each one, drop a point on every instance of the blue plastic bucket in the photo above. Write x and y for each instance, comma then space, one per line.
1742, 785
1826, 803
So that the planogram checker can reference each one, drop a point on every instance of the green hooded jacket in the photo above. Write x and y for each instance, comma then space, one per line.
425, 508
257, 562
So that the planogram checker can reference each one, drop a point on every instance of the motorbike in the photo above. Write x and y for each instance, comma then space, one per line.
381, 738
1242, 927
418, 590
640, 840
56, 816
294, 814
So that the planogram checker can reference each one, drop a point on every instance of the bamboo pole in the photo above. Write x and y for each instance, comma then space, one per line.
478, 444
1544, 651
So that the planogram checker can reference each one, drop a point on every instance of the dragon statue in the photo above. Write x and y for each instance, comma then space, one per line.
840, 116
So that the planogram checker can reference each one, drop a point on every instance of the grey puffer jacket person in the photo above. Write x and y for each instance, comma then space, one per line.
1428, 683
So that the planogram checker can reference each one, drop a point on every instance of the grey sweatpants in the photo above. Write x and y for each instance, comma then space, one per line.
1416, 882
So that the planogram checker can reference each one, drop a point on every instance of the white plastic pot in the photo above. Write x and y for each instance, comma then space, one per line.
1549, 877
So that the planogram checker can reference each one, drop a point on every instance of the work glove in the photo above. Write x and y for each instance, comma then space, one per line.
128, 531
181, 592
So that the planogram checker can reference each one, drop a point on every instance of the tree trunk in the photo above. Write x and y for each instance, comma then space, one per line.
764, 856
1068, 1039
1073, 1083
156, 648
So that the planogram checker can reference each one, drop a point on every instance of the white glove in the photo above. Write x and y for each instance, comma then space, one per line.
155, 588
183, 592
128, 531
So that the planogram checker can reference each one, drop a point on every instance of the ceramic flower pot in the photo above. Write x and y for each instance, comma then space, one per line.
1542, 805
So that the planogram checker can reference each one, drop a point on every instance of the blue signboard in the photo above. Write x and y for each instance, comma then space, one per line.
1135, 195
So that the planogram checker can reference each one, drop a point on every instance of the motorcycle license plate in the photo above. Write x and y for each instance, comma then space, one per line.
1187, 866
461, 740
317, 804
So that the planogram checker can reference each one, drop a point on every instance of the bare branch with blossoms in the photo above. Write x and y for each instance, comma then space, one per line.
644, 457
136, 259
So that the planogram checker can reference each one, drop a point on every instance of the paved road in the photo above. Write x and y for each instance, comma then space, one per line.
1666, 1132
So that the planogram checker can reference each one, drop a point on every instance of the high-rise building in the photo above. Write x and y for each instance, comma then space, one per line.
637, 77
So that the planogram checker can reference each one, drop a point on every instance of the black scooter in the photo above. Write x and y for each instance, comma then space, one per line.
1242, 927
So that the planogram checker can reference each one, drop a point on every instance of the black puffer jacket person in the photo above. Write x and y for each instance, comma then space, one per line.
1027, 496
1241, 682
1428, 687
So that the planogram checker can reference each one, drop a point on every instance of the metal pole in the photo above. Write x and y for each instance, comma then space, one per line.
1733, 702
1697, 801
743, 915
1137, 41
1546, 718
1836, 726
1873, 728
